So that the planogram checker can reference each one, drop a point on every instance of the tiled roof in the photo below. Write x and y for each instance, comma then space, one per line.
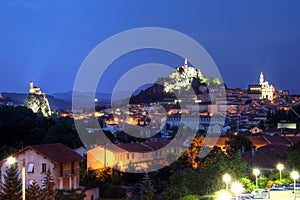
294, 140
134, 147
265, 157
278, 140
258, 141
215, 141
156, 145
57, 152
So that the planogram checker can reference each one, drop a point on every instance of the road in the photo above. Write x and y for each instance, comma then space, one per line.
284, 195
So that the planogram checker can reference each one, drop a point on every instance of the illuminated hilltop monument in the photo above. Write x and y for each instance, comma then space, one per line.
37, 101
182, 77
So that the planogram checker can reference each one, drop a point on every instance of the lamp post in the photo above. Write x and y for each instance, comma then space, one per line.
23, 180
227, 179
256, 172
12, 160
280, 167
295, 176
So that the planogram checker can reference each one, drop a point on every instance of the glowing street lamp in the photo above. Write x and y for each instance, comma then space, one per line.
256, 172
227, 179
11, 161
295, 176
237, 188
280, 167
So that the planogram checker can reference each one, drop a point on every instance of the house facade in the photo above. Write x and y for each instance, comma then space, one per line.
140, 155
62, 162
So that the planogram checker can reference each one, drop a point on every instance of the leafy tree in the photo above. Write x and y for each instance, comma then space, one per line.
63, 132
248, 184
190, 157
239, 140
292, 156
48, 187
190, 197
34, 192
114, 192
19, 125
208, 173
176, 192
12, 186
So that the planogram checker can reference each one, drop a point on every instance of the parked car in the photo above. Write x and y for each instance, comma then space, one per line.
242, 197
279, 187
261, 194
291, 186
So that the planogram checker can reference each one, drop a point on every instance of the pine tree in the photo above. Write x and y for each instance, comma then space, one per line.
48, 187
12, 186
147, 189
34, 192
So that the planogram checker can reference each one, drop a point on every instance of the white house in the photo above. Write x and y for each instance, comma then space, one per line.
62, 162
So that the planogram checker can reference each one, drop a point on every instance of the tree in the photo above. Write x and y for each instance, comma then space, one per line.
239, 140
208, 173
147, 188
34, 192
190, 158
292, 156
48, 187
12, 186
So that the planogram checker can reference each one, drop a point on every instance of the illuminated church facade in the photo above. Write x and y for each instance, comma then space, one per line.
265, 90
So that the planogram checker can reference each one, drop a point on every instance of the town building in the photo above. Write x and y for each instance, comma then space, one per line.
62, 162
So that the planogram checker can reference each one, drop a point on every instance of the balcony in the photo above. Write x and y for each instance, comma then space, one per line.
69, 173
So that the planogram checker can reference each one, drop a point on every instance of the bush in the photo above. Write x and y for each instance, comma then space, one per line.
114, 192
248, 184
190, 197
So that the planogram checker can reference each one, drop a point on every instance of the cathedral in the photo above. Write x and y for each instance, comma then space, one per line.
267, 90
264, 89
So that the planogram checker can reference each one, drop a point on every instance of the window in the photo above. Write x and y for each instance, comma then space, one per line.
73, 168
61, 169
30, 168
44, 167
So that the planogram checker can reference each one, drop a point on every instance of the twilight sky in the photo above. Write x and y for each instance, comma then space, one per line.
46, 41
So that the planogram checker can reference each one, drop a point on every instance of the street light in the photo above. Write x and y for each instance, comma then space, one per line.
280, 167
227, 179
11, 161
237, 188
295, 176
256, 172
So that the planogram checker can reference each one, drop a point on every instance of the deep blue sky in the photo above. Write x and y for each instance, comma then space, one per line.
46, 41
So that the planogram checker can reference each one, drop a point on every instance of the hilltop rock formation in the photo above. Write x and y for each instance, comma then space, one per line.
37, 101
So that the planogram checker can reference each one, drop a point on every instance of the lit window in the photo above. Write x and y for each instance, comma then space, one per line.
30, 168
